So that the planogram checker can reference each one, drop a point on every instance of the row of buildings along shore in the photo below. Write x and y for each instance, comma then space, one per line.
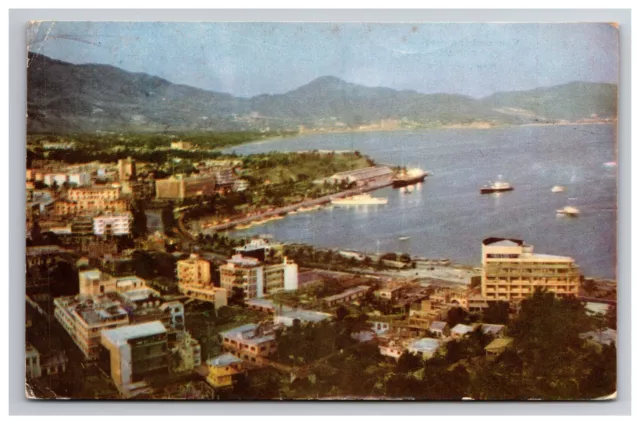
62, 197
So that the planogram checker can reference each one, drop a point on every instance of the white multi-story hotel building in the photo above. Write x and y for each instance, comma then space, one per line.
512, 272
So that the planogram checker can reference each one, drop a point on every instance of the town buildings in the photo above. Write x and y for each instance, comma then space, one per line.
250, 341
180, 187
90, 200
421, 319
259, 268
346, 296
512, 272
106, 303
288, 317
222, 369
79, 179
113, 224
241, 273
194, 280
133, 353
425, 347
194, 270
181, 145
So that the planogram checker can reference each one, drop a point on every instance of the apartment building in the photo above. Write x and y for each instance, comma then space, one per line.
224, 177
91, 200
511, 271
250, 341
258, 278
243, 273
113, 224
281, 276
133, 354
194, 280
194, 270
179, 187
94, 194
105, 303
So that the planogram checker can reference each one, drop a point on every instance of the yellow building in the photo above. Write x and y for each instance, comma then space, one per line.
222, 369
511, 271
180, 187
93, 194
421, 319
194, 270
95, 282
181, 145
205, 292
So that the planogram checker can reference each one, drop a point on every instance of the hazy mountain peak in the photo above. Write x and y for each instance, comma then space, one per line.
63, 97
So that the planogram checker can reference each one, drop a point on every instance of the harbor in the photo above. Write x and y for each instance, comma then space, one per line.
446, 211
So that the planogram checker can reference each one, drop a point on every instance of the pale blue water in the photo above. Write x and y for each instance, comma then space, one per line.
447, 217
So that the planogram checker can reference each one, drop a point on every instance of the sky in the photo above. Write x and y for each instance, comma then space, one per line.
247, 59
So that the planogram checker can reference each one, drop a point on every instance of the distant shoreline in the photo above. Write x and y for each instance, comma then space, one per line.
476, 126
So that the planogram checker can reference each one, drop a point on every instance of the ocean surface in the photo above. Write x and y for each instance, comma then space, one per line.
446, 217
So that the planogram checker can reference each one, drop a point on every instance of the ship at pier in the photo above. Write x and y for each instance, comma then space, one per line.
409, 177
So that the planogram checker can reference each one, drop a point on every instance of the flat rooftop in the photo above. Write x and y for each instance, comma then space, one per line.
353, 290
223, 360
306, 315
425, 345
122, 335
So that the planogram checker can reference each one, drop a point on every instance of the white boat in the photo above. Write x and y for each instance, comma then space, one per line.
568, 211
403, 238
496, 187
610, 164
359, 199
557, 189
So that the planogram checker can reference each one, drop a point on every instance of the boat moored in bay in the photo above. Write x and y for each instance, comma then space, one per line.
496, 187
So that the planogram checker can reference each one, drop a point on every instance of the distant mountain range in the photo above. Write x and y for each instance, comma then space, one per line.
63, 97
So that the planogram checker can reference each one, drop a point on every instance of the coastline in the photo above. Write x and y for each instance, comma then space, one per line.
474, 126
289, 208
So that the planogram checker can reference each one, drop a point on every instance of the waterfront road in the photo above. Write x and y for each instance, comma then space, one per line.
289, 208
